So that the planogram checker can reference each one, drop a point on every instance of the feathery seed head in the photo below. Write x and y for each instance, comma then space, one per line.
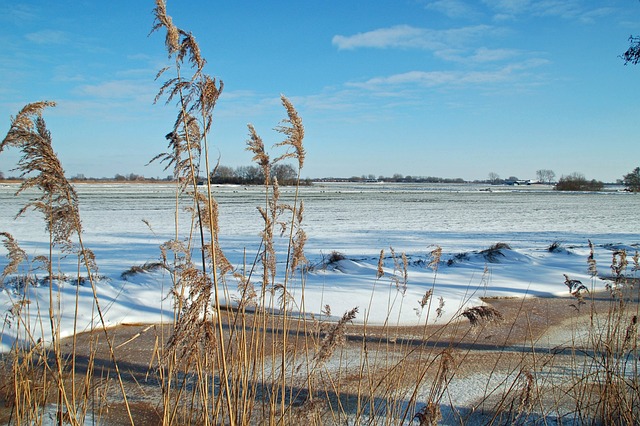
380, 271
172, 39
15, 254
293, 129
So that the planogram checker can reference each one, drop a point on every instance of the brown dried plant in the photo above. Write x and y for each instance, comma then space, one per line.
619, 265
380, 268
477, 314
164, 20
576, 288
294, 130
400, 275
58, 201
334, 338
193, 331
591, 261
435, 255
429, 415
15, 254
209, 218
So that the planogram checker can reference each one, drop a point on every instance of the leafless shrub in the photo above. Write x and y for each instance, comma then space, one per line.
493, 253
555, 247
335, 257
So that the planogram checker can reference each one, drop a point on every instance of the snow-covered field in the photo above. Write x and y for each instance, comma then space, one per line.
125, 224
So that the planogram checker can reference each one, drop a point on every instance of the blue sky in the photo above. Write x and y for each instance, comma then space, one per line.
446, 88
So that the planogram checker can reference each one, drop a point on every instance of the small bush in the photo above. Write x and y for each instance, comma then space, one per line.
577, 182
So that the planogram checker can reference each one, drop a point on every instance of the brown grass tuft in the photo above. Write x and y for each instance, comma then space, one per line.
481, 313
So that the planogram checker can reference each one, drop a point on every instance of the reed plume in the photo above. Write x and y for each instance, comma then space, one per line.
15, 254
293, 129
40, 165
334, 337
436, 255
58, 202
380, 268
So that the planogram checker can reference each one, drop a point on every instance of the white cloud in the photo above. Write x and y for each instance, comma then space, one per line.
566, 9
453, 8
48, 37
406, 36
484, 54
18, 13
454, 78
120, 89
397, 36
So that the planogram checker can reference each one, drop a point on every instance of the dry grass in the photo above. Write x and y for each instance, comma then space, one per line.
264, 362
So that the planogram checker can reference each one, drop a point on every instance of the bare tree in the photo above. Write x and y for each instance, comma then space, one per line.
545, 175
494, 177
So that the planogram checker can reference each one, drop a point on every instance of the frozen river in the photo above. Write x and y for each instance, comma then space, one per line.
124, 224
359, 216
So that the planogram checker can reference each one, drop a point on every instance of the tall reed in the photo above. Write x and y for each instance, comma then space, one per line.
58, 203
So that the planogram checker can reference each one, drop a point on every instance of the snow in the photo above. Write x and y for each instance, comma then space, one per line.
125, 225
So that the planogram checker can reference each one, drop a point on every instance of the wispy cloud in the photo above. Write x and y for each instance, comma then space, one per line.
453, 8
479, 56
566, 9
453, 78
17, 13
47, 37
119, 89
408, 37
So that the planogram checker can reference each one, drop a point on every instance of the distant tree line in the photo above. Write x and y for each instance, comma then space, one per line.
286, 174
395, 178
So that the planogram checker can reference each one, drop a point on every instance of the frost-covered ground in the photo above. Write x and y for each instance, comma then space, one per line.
125, 224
